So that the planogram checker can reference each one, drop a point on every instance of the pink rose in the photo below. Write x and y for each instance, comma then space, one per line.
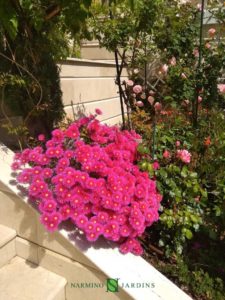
130, 82
184, 156
211, 32
164, 69
177, 143
139, 103
221, 88
173, 61
196, 52
207, 45
183, 76
158, 106
137, 89
151, 99
186, 102
166, 154
199, 99
151, 92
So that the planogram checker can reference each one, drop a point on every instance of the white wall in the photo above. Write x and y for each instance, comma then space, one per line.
87, 85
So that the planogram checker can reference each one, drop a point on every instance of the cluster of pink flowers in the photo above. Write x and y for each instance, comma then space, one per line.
181, 154
87, 173
139, 95
184, 155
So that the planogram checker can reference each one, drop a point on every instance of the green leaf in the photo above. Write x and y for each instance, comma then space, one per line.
188, 234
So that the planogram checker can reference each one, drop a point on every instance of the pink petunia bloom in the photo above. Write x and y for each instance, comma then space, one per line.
98, 111
81, 221
156, 165
51, 220
47, 206
57, 135
125, 248
72, 131
41, 137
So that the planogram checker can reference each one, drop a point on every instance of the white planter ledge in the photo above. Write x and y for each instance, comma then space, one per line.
128, 268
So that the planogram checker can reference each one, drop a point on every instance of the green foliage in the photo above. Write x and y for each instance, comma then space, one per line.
125, 25
198, 282
34, 35
192, 217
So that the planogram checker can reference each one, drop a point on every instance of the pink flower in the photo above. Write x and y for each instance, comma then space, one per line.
94, 183
151, 93
211, 32
15, 166
41, 137
156, 165
73, 131
186, 102
199, 99
183, 75
173, 61
177, 143
184, 155
151, 100
164, 69
221, 88
137, 89
158, 106
196, 52
166, 154
139, 103
199, 6
81, 221
98, 111
208, 45
130, 82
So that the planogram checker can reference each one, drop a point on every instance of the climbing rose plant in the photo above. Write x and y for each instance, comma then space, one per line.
87, 173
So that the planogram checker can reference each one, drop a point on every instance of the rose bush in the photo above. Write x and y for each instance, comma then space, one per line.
87, 173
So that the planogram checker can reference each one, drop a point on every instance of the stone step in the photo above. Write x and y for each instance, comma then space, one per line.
7, 244
22, 280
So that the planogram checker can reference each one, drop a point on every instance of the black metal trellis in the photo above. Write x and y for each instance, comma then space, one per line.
119, 69
198, 86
